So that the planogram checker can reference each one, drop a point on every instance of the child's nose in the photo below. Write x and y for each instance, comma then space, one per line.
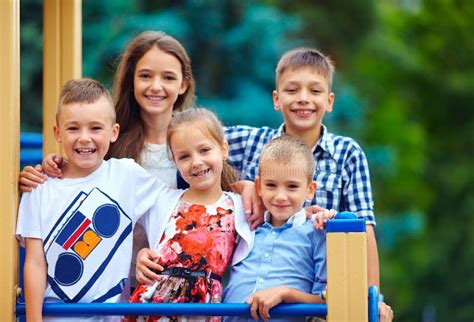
303, 98
197, 160
85, 137
157, 84
281, 195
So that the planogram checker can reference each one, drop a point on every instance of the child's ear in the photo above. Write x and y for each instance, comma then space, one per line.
276, 99
331, 98
258, 186
184, 86
115, 132
225, 150
311, 190
57, 134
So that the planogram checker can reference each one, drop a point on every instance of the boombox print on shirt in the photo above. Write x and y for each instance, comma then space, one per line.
81, 244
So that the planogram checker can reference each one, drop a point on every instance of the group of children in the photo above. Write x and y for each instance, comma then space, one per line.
77, 228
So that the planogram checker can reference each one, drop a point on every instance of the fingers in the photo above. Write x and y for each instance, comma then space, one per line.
385, 312
30, 178
52, 164
264, 309
256, 219
253, 307
320, 218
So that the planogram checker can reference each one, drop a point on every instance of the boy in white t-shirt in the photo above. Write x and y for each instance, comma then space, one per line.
77, 230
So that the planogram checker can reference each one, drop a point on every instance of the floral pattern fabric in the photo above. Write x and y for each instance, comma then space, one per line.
200, 238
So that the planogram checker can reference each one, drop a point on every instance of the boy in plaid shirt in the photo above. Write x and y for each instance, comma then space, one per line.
303, 96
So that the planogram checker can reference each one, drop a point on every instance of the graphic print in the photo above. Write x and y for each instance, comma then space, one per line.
82, 243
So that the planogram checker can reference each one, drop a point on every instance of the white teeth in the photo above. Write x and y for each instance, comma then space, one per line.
155, 98
303, 112
85, 151
201, 173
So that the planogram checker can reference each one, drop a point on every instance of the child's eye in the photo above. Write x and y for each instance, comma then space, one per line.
72, 128
170, 78
183, 157
144, 76
290, 90
270, 185
293, 186
316, 91
96, 128
205, 149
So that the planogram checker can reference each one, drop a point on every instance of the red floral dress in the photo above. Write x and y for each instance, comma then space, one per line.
200, 238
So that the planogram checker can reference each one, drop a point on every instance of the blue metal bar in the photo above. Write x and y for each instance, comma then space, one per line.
346, 222
166, 309
31, 140
373, 304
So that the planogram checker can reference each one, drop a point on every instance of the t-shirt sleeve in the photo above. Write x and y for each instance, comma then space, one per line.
29, 221
146, 189
319, 262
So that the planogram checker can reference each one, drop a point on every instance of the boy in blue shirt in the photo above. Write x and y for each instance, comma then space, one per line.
303, 95
288, 260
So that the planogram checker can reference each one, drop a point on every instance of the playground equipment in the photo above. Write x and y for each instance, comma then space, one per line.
348, 298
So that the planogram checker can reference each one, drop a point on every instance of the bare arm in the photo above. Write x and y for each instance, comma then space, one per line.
372, 258
35, 279
262, 301
253, 205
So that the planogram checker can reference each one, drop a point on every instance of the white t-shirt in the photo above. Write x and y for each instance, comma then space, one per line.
154, 159
86, 227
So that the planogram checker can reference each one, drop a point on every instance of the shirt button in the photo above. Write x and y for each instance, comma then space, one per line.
260, 280
266, 254
274, 233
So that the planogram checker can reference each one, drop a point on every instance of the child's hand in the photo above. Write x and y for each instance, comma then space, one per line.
30, 178
146, 265
252, 204
52, 165
385, 312
320, 216
262, 301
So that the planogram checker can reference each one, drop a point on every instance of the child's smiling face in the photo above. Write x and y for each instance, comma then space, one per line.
157, 83
199, 159
303, 97
284, 187
85, 131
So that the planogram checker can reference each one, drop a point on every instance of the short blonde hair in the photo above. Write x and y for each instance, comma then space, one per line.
306, 57
83, 90
289, 150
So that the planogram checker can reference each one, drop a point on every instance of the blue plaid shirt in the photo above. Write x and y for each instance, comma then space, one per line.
342, 171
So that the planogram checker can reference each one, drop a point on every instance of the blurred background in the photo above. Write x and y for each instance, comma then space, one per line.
404, 89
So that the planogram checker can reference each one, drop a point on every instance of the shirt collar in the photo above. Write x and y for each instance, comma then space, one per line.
325, 141
295, 220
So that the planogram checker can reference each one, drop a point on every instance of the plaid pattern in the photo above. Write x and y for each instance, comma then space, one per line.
342, 171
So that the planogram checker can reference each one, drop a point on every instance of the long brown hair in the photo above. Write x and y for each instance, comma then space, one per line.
208, 122
131, 140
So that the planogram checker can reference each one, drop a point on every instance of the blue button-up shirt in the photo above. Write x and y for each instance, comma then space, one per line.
342, 171
292, 255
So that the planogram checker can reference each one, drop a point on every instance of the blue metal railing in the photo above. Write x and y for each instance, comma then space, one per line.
31, 148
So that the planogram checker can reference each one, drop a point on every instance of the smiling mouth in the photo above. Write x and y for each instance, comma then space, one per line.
85, 151
303, 112
201, 173
155, 98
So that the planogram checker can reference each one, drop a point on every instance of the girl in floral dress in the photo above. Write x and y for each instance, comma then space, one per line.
195, 246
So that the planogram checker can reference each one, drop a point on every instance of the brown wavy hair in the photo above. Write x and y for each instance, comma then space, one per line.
206, 121
131, 140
